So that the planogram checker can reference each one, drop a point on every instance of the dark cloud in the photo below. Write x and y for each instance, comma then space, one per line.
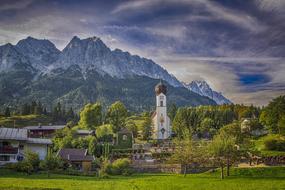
193, 34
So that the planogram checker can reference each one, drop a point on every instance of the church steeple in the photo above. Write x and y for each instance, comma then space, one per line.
162, 128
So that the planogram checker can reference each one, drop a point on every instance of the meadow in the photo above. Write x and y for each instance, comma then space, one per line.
269, 178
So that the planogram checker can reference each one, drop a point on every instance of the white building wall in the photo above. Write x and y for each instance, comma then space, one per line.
161, 115
40, 149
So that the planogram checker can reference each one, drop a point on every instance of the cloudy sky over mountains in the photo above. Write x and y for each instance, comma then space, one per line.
237, 46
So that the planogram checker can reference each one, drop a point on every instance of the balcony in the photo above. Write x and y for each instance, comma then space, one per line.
8, 150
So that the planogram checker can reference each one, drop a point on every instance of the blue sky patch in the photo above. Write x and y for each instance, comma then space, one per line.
253, 79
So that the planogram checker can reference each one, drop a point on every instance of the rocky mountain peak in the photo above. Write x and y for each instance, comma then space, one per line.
12, 59
203, 88
39, 52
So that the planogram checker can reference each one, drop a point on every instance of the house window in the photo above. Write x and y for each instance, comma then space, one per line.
5, 158
125, 137
161, 103
5, 143
21, 147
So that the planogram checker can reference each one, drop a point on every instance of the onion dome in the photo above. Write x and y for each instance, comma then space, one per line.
160, 88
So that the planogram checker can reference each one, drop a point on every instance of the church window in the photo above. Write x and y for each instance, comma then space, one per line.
161, 103
125, 137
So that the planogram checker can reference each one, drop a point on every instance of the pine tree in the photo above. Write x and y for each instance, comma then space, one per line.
172, 111
33, 107
56, 113
25, 110
7, 112
45, 111
38, 109
70, 116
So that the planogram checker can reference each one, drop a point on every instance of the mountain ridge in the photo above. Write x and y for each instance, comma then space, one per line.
90, 65
203, 88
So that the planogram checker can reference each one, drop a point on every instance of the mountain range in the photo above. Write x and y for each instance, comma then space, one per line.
203, 88
86, 70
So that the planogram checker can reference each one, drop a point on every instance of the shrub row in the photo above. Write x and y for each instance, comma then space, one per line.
275, 143
118, 167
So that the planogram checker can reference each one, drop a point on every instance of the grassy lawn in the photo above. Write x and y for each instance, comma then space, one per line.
272, 178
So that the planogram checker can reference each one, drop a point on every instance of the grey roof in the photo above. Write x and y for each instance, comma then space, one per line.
124, 130
45, 127
80, 158
84, 132
13, 134
39, 141
73, 154
20, 135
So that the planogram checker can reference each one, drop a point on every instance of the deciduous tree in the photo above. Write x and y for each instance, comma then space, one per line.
116, 115
222, 149
91, 116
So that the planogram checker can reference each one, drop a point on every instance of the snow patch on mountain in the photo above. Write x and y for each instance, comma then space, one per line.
93, 54
41, 57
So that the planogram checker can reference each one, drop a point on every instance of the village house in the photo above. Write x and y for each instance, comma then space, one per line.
77, 158
45, 131
14, 142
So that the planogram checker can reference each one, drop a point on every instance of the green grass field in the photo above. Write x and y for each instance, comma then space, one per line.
272, 178
24, 120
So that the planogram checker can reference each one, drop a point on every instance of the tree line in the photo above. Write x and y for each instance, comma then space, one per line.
58, 113
205, 121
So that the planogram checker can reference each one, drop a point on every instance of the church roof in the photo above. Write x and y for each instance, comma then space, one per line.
160, 88
124, 130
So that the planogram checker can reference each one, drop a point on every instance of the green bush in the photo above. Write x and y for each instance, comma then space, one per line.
274, 143
51, 163
25, 167
118, 167
127, 172
106, 168
29, 165
33, 159
11, 166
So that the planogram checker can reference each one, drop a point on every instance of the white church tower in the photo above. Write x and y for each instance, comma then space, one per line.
161, 122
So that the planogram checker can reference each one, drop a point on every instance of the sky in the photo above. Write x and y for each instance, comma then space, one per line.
237, 46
